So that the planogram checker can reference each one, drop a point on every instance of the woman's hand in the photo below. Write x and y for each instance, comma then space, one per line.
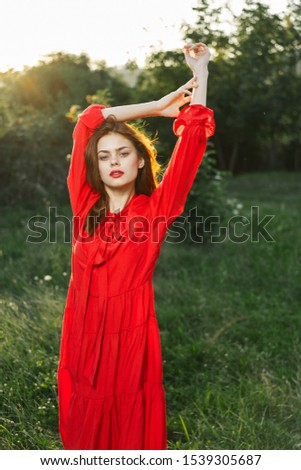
197, 57
169, 105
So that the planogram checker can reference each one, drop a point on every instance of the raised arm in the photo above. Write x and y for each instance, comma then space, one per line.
193, 126
168, 106
82, 196
197, 57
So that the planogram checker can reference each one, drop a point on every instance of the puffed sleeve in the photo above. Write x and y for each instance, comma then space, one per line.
82, 195
193, 126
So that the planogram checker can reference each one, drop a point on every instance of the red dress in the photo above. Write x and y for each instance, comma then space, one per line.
110, 376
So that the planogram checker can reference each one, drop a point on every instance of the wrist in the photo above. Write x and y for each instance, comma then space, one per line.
154, 108
201, 71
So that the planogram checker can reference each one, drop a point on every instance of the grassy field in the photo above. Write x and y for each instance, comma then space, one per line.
230, 321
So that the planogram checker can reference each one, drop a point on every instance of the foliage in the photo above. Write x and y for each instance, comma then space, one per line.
206, 206
254, 84
36, 136
33, 163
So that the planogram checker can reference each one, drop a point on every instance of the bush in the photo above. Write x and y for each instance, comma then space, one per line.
205, 206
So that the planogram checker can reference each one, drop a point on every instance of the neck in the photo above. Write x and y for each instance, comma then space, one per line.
119, 199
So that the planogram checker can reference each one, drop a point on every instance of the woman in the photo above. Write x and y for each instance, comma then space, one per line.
110, 379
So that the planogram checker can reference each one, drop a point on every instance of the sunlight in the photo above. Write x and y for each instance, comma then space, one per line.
70, 26
115, 33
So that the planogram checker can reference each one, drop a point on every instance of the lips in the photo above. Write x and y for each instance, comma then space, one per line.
116, 173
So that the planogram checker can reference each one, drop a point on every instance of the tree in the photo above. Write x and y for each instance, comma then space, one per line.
35, 134
254, 84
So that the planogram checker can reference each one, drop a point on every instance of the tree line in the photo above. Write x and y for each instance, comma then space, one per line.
254, 89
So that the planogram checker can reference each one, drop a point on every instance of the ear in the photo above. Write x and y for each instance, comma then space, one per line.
141, 162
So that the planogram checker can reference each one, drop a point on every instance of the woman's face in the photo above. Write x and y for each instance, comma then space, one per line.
118, 161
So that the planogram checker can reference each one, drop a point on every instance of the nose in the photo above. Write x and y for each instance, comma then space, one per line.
114, 160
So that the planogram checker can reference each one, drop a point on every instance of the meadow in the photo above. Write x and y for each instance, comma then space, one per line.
229, 315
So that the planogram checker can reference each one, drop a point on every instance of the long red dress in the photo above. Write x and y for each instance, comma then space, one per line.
110, 376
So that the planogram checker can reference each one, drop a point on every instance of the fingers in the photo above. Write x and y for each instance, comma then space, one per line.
186, 50
191, 50
187, 99
197, 45
186, 90
192, 83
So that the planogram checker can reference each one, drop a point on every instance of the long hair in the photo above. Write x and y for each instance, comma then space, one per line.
146, 181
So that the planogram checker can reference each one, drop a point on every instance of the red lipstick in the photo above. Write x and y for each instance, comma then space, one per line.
116, 173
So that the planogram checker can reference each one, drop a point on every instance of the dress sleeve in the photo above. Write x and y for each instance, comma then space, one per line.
193, 126
82, 195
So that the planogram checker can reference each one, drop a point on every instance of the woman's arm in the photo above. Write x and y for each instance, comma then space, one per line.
193, 126
168, 106
82, 195
197, 57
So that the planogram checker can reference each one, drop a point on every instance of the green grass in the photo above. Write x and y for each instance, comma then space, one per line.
229, 315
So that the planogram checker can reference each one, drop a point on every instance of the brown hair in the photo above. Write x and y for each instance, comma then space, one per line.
146, 181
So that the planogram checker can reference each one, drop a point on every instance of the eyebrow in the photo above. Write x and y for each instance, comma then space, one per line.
107, 151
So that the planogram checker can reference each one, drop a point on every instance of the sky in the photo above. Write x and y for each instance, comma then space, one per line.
112, 30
